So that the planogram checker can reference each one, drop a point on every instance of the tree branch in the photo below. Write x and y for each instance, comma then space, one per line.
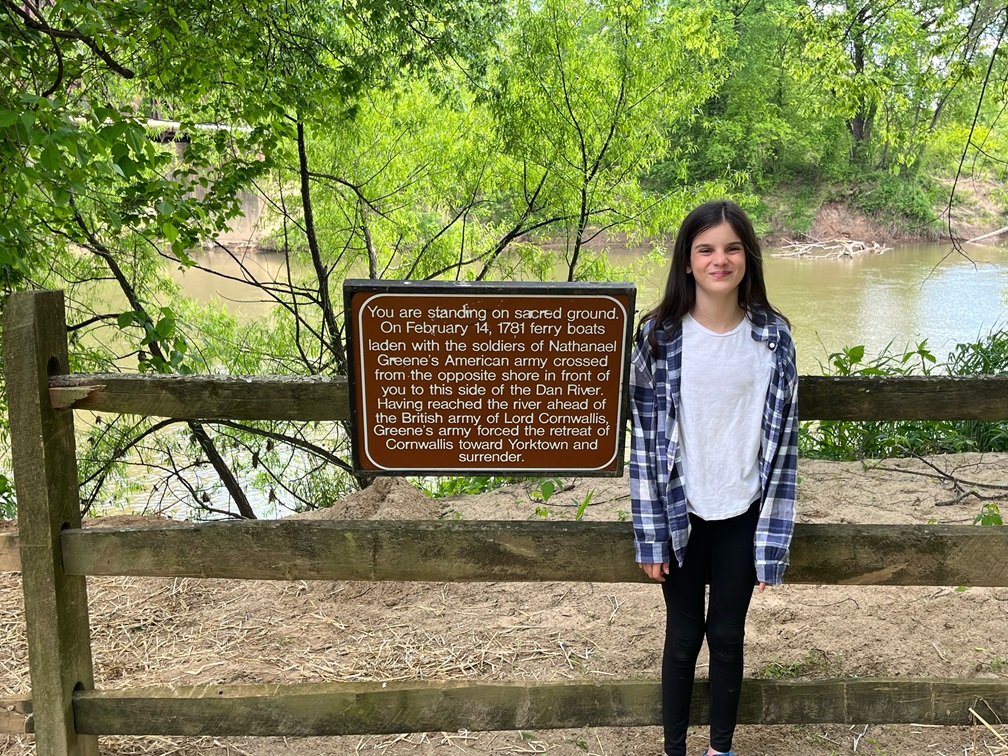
333, 343
201, 436
298, 443
73, 34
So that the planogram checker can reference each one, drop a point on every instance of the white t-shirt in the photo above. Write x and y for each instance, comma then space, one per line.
725, 379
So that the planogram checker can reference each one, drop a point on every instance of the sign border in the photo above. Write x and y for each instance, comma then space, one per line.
488, 288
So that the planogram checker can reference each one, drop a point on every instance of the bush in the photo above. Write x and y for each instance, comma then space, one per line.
849, 440
896, 200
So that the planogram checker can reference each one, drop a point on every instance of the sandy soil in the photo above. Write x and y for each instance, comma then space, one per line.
213, 631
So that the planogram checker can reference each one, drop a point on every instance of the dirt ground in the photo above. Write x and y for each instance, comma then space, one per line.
978, 209
185, 631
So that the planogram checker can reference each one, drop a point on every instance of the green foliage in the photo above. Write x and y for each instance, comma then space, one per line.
985, 356
163, 336
837, 439
990, 515
756, 124
97, 187
440, 488
544, 492
812, 663
8, 504
582, 107
897, 201
544, 489
790, 206
895, 70
821, 92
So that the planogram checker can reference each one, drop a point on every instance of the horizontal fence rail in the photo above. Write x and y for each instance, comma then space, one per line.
15, 716
327, 398
489, 551
386, 708
915, 397
822, 554
10, 553
205, 397
331, 709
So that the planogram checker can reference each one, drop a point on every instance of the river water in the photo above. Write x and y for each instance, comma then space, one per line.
908, 294
901, 297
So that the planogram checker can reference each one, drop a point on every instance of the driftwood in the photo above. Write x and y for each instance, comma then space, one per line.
831, 250
980, 238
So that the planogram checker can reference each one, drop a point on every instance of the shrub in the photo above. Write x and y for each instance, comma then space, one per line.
848, 440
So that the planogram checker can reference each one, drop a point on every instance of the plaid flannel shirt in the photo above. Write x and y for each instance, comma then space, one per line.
657, 492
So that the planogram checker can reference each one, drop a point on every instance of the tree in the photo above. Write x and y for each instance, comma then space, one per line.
582, 103
82, 170
895, 71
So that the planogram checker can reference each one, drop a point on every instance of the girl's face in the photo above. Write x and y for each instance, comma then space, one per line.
717, 262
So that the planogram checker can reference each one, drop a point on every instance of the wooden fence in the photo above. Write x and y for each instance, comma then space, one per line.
55, 556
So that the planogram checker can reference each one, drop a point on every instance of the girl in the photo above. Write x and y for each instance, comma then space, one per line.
713, 465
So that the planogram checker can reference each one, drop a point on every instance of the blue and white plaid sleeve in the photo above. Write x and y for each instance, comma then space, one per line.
776, 523
651, 530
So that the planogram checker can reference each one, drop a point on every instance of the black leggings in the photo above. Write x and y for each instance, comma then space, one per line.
719, 551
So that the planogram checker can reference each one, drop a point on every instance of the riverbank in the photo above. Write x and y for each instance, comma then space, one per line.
824, 214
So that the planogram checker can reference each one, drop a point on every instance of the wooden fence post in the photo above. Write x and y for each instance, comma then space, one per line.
48, 499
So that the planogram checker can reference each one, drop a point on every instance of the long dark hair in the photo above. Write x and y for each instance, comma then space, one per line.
680, 288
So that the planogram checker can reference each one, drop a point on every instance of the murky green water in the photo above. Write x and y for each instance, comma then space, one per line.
903, 296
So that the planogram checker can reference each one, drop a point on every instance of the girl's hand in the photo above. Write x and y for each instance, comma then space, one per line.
762, 585
656, 571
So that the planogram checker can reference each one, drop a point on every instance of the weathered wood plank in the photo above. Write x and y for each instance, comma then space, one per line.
10, 553
870, 701
15, 716
909, 398
514, 551
205, 397
899, 555
327, 398
44, 459
376, 708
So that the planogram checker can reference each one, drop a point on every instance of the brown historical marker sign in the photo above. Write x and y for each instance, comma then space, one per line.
496, 377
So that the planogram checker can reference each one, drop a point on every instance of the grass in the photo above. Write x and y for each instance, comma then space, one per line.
815, 662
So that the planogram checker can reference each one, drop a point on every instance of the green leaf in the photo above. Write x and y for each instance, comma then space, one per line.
170, 232
165, 328
51, 157
61, 197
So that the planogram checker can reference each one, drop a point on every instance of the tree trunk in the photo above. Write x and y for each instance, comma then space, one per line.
334, 343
